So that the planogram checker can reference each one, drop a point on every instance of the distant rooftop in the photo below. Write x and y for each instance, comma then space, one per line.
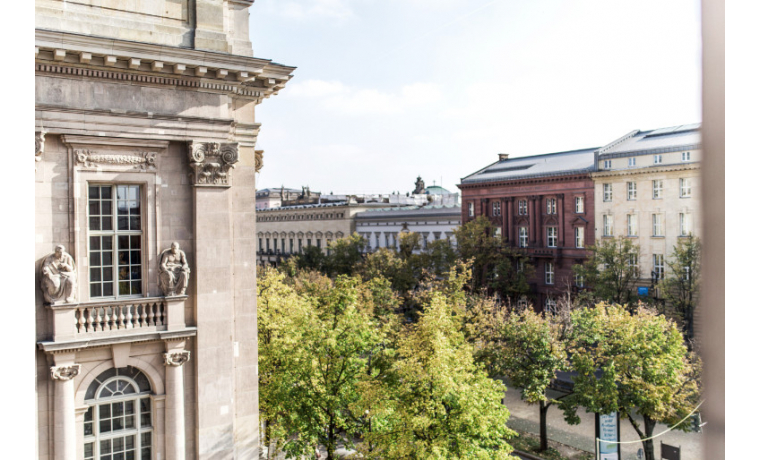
407, 211
545, 165
670, 139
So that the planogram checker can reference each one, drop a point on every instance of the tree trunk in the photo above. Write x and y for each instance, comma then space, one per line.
331, 442
649, 443
543, 409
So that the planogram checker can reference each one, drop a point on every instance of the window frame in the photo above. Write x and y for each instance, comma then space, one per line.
607, 164
522, 239
657, 225
632, 223
658, 159
657, 189
631, 161
607, 192
549, 273
551, 206
114, 233
551, 237
580, 205
632, 189
470, 209
684, 224
685, 156
580, 236
496, 208
658, 268
608, 219
684, 187
522, 207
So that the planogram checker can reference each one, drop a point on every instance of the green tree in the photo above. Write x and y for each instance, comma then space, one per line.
315, 336
434, 401
611, 269
439, 257
680, 288
495, 265
312, 258
532, 352
644, 368
345, 255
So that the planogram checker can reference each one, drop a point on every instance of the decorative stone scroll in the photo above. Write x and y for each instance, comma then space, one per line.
176, 358
65, 373
212, 162
39, 146
259, 157
59, 277
142, 161
173, 271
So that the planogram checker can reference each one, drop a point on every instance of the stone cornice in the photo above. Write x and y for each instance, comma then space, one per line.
99, 57
527, 180
647, 171
634, 153
61, 347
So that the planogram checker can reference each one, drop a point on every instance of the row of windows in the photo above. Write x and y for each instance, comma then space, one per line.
522, 207
684, 190
299, 217
291, 244
658, 227
551, 236
685, 156
658, 265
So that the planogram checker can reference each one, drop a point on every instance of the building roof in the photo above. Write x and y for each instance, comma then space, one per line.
436, 190
270, 191
549, 164
661, 140
411, 211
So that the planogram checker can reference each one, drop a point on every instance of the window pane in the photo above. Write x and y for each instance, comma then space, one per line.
118, 444
95, 290
94, 208
88, 415
134, 223
108, 289
117, 408
124, 288
136, 288
88, 450
129, 421
105, 193
107, 243
105, 409
94, 223
88, 428
105, 426
107, 223
94, 259
123, 223
133, 192
93, 191
106, 208
105, 447
95, 274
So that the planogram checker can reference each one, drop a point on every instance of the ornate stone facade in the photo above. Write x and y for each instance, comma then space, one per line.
142, 111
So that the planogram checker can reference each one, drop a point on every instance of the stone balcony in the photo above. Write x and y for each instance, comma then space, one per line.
116, 321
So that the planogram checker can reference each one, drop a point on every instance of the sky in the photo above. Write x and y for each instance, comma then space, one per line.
387, 90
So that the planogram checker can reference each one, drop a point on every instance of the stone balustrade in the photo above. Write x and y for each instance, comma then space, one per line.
117, 317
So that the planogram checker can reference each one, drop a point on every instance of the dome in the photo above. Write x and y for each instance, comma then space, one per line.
436, 190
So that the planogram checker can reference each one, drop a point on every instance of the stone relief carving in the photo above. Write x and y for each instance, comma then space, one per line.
173, 271
59, 277
39, 146
139, 160
259, 157
176, 358
65, 372
212, 162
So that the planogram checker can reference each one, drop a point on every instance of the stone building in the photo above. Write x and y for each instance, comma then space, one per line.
647, 188
145, 228
288, 230
276, 197
542, 205
380, 227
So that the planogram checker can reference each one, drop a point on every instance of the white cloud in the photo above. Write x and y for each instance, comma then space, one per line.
311, 9
348, 100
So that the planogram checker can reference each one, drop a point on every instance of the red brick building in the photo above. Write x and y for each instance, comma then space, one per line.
542, 203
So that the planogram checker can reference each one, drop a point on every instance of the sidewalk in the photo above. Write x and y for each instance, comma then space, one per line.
525, 418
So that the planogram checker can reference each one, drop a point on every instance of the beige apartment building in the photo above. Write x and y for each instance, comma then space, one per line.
647, 188
145, 282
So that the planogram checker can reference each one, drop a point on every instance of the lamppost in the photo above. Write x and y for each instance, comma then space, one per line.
655, 277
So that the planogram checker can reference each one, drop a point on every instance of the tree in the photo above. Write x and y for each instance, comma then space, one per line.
312, 258
434, 401
643, 368
611, 269
532, 352
439, 257
680, 288
345, 255
494, 265
315, 337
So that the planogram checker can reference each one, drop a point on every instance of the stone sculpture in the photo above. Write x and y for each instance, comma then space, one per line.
173, 271
59, 277
419, 186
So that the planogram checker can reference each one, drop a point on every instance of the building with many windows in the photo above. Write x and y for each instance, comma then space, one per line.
145, 229
647, 188
380, 228
542, 205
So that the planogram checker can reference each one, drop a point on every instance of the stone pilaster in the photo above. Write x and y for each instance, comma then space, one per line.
64, 429
561, 216
175, 403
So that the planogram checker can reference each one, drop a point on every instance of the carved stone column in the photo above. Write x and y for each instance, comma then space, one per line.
175, 403
64, 418
212, 163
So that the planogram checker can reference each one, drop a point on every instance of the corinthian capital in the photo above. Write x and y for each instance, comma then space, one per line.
65, 372
176, 358
212, 163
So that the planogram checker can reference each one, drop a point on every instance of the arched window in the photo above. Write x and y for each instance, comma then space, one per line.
118, 423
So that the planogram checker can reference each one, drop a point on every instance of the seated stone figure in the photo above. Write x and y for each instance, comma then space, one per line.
173, 271
59, 277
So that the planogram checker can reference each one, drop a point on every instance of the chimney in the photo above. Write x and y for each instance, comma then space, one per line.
503, 156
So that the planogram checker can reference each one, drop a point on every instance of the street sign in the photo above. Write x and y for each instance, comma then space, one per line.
669, 452
643, 291
608, 433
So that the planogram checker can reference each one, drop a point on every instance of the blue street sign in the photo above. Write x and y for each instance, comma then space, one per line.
644, 291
